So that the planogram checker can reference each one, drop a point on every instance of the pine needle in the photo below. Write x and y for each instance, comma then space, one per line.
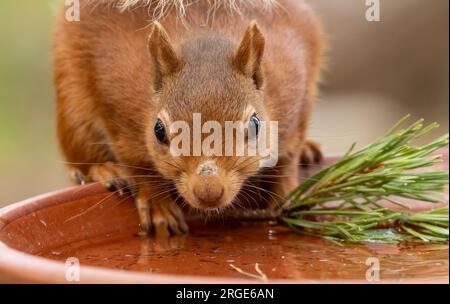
260, 276
384, 170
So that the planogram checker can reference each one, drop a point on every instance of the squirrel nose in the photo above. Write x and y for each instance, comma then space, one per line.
208, 191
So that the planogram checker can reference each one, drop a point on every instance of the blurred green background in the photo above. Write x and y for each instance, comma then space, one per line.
29, 158
376, 73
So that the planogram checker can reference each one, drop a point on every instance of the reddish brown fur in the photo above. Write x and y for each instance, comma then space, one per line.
108, 95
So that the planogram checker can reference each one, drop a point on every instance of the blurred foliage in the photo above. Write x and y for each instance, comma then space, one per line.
27, 138
24, 75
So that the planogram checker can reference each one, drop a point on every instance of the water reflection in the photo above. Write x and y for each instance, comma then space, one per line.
280, 254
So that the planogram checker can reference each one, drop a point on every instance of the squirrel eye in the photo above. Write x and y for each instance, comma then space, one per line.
160, 132
254, 126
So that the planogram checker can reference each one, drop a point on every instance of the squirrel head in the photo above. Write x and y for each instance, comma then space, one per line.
222, 82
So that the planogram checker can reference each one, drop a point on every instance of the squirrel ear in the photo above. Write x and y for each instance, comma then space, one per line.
164, 57
249, 54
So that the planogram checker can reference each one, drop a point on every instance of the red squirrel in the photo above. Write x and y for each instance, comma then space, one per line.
122, 77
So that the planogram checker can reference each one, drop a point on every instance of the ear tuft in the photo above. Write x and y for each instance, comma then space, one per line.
164, 57
249, 55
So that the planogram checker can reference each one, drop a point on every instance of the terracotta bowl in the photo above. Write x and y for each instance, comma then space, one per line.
88, 235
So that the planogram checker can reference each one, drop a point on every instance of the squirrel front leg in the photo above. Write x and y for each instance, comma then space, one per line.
158, 212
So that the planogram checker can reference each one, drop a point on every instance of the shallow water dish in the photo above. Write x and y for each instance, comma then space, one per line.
38, 236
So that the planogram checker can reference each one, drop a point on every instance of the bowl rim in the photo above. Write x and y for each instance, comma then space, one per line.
22, 267
29, 268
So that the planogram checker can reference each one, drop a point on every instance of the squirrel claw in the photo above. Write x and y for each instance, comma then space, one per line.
167, 219
77, 177
163, 217
111, 176
311, 154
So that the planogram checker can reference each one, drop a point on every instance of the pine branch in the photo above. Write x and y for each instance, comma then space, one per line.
384, 170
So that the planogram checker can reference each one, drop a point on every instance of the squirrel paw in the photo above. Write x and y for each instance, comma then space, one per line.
311, 154
164, 217
109, 174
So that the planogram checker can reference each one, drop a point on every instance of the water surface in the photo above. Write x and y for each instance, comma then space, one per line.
281, 254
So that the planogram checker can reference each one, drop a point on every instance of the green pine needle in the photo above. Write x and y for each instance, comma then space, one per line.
384, 170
